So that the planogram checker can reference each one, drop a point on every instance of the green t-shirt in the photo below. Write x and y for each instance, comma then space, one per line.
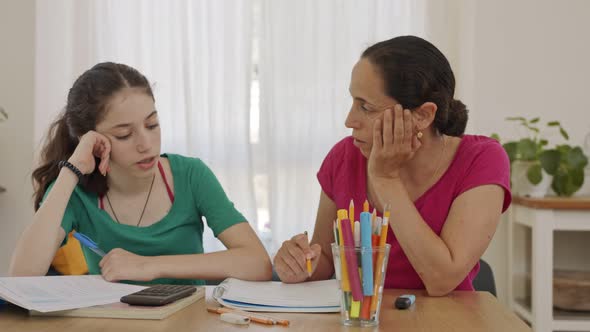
197, 194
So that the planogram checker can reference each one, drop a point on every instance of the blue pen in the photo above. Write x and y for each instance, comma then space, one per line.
88, 243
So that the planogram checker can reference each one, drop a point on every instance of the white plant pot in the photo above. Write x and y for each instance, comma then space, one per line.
521, 186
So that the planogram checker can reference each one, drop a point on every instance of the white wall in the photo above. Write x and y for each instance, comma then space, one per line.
526, 58
17, 44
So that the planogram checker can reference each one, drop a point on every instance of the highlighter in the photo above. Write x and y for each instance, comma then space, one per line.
404, 301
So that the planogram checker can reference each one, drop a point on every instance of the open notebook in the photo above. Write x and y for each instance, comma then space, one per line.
273, 296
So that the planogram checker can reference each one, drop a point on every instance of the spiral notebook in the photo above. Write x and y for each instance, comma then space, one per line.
273, 296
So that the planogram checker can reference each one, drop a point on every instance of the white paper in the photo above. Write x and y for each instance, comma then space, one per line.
315, 296
55, 293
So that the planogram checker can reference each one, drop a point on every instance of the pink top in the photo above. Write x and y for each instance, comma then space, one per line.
479, 160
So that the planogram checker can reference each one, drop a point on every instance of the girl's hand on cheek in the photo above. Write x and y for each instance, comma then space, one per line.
92, 144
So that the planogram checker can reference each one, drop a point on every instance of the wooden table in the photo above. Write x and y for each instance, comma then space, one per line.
544, 216
460, 311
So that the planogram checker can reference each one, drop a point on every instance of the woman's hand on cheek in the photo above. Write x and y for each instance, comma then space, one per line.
394, 143
120, 264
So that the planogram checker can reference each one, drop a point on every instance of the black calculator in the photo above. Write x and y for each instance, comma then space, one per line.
159, 295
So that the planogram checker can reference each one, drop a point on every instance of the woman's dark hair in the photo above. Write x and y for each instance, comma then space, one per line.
415, 72
85, 108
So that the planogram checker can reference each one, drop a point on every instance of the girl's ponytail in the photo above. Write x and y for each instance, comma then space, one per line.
59, 145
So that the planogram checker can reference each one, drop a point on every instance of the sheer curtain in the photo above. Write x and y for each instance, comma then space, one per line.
307, 51
197, 54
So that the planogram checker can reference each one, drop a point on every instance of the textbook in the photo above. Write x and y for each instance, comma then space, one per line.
274, 296
82, 296
126, 311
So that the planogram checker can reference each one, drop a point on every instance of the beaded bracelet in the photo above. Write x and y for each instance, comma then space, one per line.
72, 168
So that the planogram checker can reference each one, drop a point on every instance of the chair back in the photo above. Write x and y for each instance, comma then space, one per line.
484, 281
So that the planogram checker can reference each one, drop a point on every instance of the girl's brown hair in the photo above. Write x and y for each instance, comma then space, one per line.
85, 107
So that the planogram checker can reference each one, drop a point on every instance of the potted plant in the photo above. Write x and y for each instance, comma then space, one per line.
535, 167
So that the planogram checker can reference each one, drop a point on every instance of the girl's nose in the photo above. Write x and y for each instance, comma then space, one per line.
142, 141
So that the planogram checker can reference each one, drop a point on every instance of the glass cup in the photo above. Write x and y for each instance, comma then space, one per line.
361, 274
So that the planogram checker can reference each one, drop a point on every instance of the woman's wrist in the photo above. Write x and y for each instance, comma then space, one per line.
386, 181
387, 187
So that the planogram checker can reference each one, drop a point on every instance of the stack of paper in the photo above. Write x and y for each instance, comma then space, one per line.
272, 296
47, 294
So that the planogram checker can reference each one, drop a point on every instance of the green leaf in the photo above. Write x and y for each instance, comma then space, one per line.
527, 149
535, 120
550, 161
495, 136
567, 183
576, 158
531, 128
577, 178
511, 150
553, 124
564, 149
562, 184
534, 174
515, 118
543, 142
564, 133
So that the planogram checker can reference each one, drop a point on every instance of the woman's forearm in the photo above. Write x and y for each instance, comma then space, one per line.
37, 245
241, 263
427, 252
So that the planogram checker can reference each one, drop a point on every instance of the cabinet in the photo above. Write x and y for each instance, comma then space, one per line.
543, 217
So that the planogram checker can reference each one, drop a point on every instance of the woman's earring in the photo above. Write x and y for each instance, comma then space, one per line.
419, 135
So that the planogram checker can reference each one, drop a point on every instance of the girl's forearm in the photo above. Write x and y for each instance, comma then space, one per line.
37, 245
241, 263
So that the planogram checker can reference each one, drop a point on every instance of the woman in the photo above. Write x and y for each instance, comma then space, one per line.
102, 175
446, 190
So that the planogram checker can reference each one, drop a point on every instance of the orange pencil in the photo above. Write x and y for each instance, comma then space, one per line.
351, 213
308, 262
366, 206
254, 318
365, 312
374, 243
380, 258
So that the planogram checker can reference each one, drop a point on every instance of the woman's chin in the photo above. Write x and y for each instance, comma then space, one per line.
365, 151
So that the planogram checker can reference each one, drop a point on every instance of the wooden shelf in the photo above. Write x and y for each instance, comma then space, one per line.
562, 320
558, 203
